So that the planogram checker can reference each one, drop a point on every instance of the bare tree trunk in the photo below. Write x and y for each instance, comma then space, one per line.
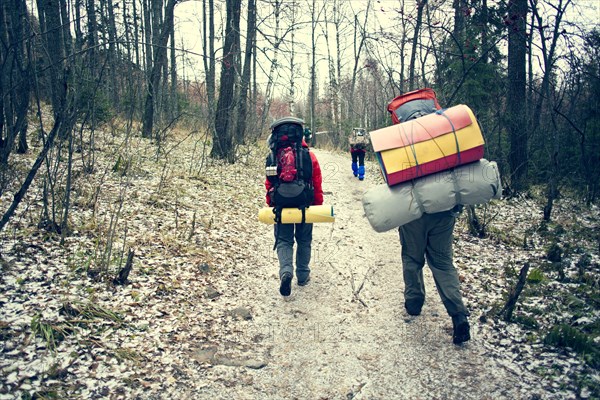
131, 100
174, 106
208, 45
92, 34
157, 24
245, 81
484, 28
66, 28
160, 57
459, 20
136, 37
78, 31
513, 296
530, 70
254, 95
147, 29
49, 11
337, 18
112, 56
358, 43
413, 55
223, 145
333, 84
292, 88
123, 274
64, 226
517, 50
18, 197
15, 73
313, 69
548, 53
275, 44
475, 226
24, 63
552, 190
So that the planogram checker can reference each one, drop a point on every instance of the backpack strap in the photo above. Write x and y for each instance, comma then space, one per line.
441, 112
271, 167
303, 210
298, 149
277, 212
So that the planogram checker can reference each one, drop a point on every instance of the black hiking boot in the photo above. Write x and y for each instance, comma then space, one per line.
413, 308
304, 282
461, 331
286, 284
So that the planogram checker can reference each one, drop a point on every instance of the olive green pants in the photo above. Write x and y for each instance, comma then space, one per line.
430, 237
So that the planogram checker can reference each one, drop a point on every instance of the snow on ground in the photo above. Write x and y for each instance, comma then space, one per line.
201, 316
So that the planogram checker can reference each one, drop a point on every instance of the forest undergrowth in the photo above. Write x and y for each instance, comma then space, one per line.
72, 325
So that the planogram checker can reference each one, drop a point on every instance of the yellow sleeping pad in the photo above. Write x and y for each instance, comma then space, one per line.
314, 214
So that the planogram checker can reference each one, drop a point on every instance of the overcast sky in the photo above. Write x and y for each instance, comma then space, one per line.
584, 13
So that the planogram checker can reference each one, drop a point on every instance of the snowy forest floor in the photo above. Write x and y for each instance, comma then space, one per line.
201, 316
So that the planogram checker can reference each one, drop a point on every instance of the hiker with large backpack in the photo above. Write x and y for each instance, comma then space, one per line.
358, 148
293, 181
430, 236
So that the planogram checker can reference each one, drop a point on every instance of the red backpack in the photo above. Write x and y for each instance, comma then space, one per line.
286, 161
413, 105
289, 165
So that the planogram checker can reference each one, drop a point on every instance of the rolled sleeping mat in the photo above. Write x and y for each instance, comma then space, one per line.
313, 214
390, 207
435, 142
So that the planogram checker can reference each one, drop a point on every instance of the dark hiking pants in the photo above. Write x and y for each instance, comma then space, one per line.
430, 237
358, 157
285, 248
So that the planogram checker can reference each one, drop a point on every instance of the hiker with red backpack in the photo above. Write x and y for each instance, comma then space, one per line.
293, 181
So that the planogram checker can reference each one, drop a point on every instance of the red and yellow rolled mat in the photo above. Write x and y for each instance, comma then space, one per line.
313, 214
428, 144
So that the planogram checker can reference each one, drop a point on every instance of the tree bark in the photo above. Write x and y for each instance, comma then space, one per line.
245, 80
548, 54
147, 30
333, 83
160, 57
64, 226
313, 72
517, 50
292, 87
223, 130
113, 57
36, 166
459, 20
173, 104
136, 37
513, 296
79, 39
358, 43
49, 11
208, 45
123, 274
92, 34
15, 74
413, 55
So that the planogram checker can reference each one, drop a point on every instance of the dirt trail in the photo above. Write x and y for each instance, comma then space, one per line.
324, 342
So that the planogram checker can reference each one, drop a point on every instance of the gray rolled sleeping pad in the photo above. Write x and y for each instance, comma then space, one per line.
390, 207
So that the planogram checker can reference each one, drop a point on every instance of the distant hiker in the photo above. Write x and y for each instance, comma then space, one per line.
307, 135
293, 180
358, 147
